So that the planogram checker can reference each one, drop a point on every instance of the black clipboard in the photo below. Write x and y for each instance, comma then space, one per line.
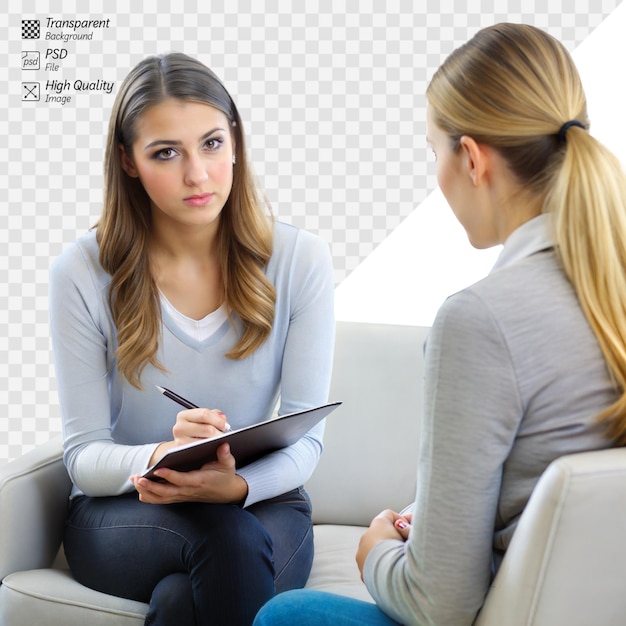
246, 444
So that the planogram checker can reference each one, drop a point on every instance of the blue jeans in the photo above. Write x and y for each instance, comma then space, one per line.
193, 563
306, 607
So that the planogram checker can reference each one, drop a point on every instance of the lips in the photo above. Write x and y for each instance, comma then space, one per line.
198, 200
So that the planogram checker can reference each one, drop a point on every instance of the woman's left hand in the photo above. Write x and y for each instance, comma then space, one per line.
386, 525
214, 482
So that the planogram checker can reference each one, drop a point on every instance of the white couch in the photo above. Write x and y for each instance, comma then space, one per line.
566, 564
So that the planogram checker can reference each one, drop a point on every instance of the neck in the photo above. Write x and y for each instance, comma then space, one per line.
176, 241
514, 204
186, 267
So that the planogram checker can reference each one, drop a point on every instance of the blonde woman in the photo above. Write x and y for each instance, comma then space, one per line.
188, 284
522, 367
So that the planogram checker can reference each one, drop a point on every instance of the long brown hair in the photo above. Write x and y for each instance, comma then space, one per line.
123, 230
513, 87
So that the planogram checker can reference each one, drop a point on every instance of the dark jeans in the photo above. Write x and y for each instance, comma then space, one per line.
195, 564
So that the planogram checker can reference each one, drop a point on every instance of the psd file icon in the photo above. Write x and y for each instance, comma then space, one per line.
31, 60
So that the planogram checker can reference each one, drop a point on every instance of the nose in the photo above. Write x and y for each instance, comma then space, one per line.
195, 171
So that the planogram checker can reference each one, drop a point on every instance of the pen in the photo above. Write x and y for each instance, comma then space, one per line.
174, 396
168, 393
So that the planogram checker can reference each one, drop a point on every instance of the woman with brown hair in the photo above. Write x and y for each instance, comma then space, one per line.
187, 283
526, 365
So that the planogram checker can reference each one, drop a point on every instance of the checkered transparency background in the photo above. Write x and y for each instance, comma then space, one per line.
333, 107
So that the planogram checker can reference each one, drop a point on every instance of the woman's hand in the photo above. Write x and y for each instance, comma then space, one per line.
191, 425
214, 482
386, 525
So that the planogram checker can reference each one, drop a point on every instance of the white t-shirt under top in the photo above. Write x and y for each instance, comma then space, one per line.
197, 329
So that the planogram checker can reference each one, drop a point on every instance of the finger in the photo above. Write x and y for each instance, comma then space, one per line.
172, 477
223, 416
403, 527
224, 456
214, 417
143, 490
199, 423
387, 514
154, 492
146, 485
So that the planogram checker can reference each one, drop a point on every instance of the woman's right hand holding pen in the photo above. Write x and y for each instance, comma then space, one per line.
192, 425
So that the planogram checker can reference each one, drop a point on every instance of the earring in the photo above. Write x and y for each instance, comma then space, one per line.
234, 159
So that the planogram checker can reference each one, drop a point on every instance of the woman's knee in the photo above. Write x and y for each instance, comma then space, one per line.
237, 543
283, 610
308, 607
172, 602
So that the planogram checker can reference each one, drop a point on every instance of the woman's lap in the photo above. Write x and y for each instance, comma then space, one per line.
124, 547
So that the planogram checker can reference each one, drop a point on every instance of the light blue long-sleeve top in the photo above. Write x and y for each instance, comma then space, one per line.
111, 429
514, 378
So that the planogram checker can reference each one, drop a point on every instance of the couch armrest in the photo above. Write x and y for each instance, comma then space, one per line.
566, 563
34, 492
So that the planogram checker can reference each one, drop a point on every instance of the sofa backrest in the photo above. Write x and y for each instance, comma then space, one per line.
371, 442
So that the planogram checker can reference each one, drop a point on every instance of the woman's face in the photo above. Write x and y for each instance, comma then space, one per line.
183, 156
454, 176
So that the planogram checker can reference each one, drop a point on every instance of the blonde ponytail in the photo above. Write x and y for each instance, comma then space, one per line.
519, 106
588, 204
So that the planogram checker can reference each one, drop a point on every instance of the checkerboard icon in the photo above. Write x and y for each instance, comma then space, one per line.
30, 29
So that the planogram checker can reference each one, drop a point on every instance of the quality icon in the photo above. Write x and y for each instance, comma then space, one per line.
30, 92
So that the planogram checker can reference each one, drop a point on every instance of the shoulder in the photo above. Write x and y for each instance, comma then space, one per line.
534, 278
522, 301
296, 240
79, 263
295, 246
527, 289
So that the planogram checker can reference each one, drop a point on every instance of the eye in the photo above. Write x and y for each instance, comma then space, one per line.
214, 144
166, 154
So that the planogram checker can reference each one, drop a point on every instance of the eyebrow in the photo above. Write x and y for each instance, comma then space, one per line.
172, 142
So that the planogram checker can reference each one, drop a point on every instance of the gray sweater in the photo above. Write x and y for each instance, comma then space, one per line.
514, 377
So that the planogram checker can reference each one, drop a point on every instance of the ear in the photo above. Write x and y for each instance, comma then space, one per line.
476, 159
127, 163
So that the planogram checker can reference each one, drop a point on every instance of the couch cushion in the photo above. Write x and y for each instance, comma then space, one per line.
334, 567
52, 596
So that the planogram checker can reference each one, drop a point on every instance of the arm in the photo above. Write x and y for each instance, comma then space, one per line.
81, 337
306, 369
471, 415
